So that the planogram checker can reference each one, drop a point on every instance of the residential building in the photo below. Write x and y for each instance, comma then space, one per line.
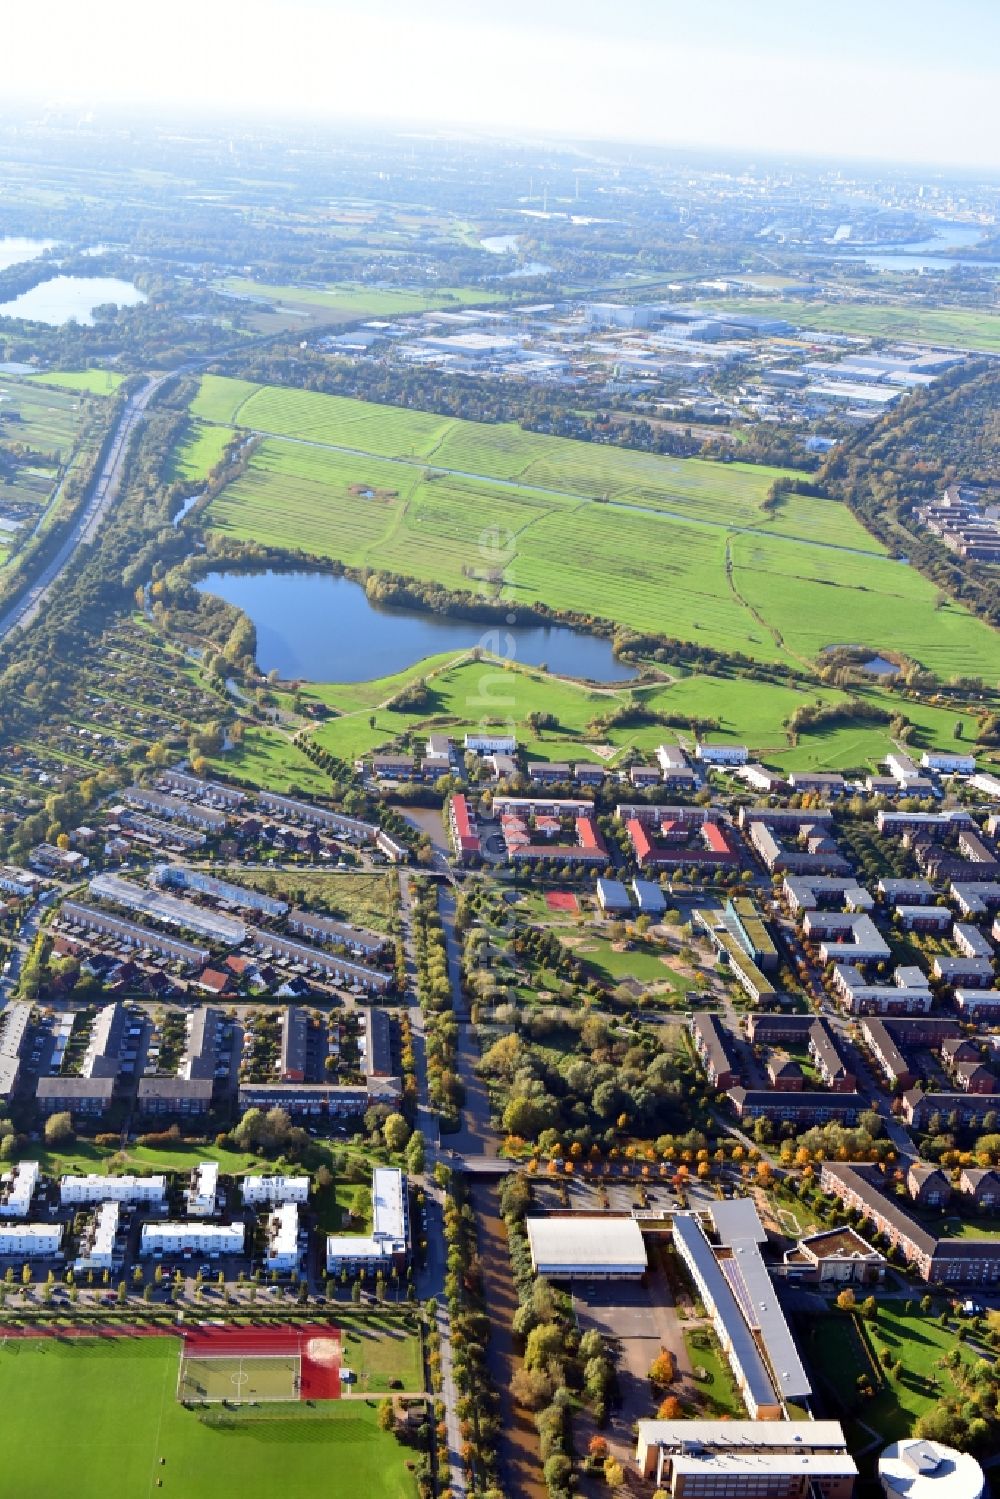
30, 1241
970, 941
797, 1108
716, 1049
978, 1004
98, 1247
174, 1095
74, 1095
178, 877
963, 973
325, 929
272, 1190
128, 933
212, 792
923, 918
964, 1108
927, 1185
311, 1100
846, 938
964, 765
352, 829
826, 1051
176, 809
187, 1238
462, 826
281, 1238
485, 743
388, 1245
839, 1255
202, 1191
722, 754
17, 1188
908, 994
294, 1045
331, 966
148, 1190
169, 909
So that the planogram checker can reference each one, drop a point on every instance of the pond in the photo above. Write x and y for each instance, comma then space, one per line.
65, 297
320, 628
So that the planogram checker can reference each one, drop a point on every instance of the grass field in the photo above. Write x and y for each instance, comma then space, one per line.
94, 382
685, 547
268, 759
954, 327
239, 1377
343, 302
378, 1350
201, 449
89, 1418
748, 712
367, 900
717, 1394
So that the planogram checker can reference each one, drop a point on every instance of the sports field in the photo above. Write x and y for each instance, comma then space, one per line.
685, 548
92, 1417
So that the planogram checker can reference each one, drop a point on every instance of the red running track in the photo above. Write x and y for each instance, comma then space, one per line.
319, 1375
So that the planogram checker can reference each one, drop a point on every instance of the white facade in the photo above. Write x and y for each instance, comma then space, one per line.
201, 1194
192, 1238
146, 1189
30, 1240
18, 1190
97, 1247
949, 764
272, 1190
389, 1242
723, 754
282, 1251
920, 1469
491, 744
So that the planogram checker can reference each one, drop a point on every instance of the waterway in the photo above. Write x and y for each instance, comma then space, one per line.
927, 254
71, 297
319, 628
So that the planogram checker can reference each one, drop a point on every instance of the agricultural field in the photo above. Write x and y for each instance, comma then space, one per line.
687, 548
202, 448
42, 430
748, 712
152, 1443
92, 382
953, 327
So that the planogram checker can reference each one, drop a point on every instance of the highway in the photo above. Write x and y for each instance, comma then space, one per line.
103, 493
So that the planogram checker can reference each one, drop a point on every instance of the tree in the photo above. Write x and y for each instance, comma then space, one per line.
396, 1132
670, 1409
614, 1473
557, 1470
846, 1299
415, 1153
663, 1368
869, 1308
598, 1447
58, 1129
385, 1417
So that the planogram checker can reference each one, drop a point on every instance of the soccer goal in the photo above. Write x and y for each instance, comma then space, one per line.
239, 1379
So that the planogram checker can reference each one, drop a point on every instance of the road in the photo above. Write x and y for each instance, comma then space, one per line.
103, 493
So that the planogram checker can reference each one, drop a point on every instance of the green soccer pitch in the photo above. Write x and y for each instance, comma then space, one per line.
85, 1418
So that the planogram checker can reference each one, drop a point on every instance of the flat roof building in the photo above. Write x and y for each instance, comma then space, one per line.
274, 1189
149, 1190
779, 1459
281, 1238
579, 1247
388, 1244
98, 1243
31, 1240
201, 1194
183, 1237
168, 909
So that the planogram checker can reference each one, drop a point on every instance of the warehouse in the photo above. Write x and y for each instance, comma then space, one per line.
583, 1248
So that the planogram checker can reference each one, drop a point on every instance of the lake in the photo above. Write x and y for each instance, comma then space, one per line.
14, 249
321, 628
65, 297
500, 244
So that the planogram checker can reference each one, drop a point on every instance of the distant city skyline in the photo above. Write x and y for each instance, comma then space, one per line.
901, 80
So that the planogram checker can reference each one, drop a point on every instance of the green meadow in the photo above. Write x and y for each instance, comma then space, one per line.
92, 382
197, 454
464, 693
684, 548
954, 327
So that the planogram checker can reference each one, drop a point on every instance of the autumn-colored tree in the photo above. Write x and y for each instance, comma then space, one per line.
663, 1368
670, 1409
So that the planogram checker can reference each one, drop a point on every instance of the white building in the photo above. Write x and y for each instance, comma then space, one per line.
272, 1190
988, 784
723, 754
948, 764
18, 1188
97, 1245
491, 744
150, 1190
203, 1189
30, 1240
582, 1248
282, 1238
920, 1469
192, 1238
388, 1244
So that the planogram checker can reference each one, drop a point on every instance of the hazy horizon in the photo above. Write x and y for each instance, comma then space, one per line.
887, 83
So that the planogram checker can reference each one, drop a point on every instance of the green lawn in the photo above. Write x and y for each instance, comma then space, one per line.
379, 1350
345, 301
266, 758
686, 547
94, 382
91, 1418
717, 1395
201, 449
645, 961
83, 1157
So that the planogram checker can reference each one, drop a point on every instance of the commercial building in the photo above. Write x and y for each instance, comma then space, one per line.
98, 1248
148, 1190
30, 1241
281, 1238
747, 1459
272, 1190
211, 1239
579, 1247
130, 934
388, 1245
168, 909
202, 1191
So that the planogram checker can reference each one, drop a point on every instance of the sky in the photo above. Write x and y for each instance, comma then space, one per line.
906, 80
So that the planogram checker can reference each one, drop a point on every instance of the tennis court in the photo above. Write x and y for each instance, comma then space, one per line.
561, 900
